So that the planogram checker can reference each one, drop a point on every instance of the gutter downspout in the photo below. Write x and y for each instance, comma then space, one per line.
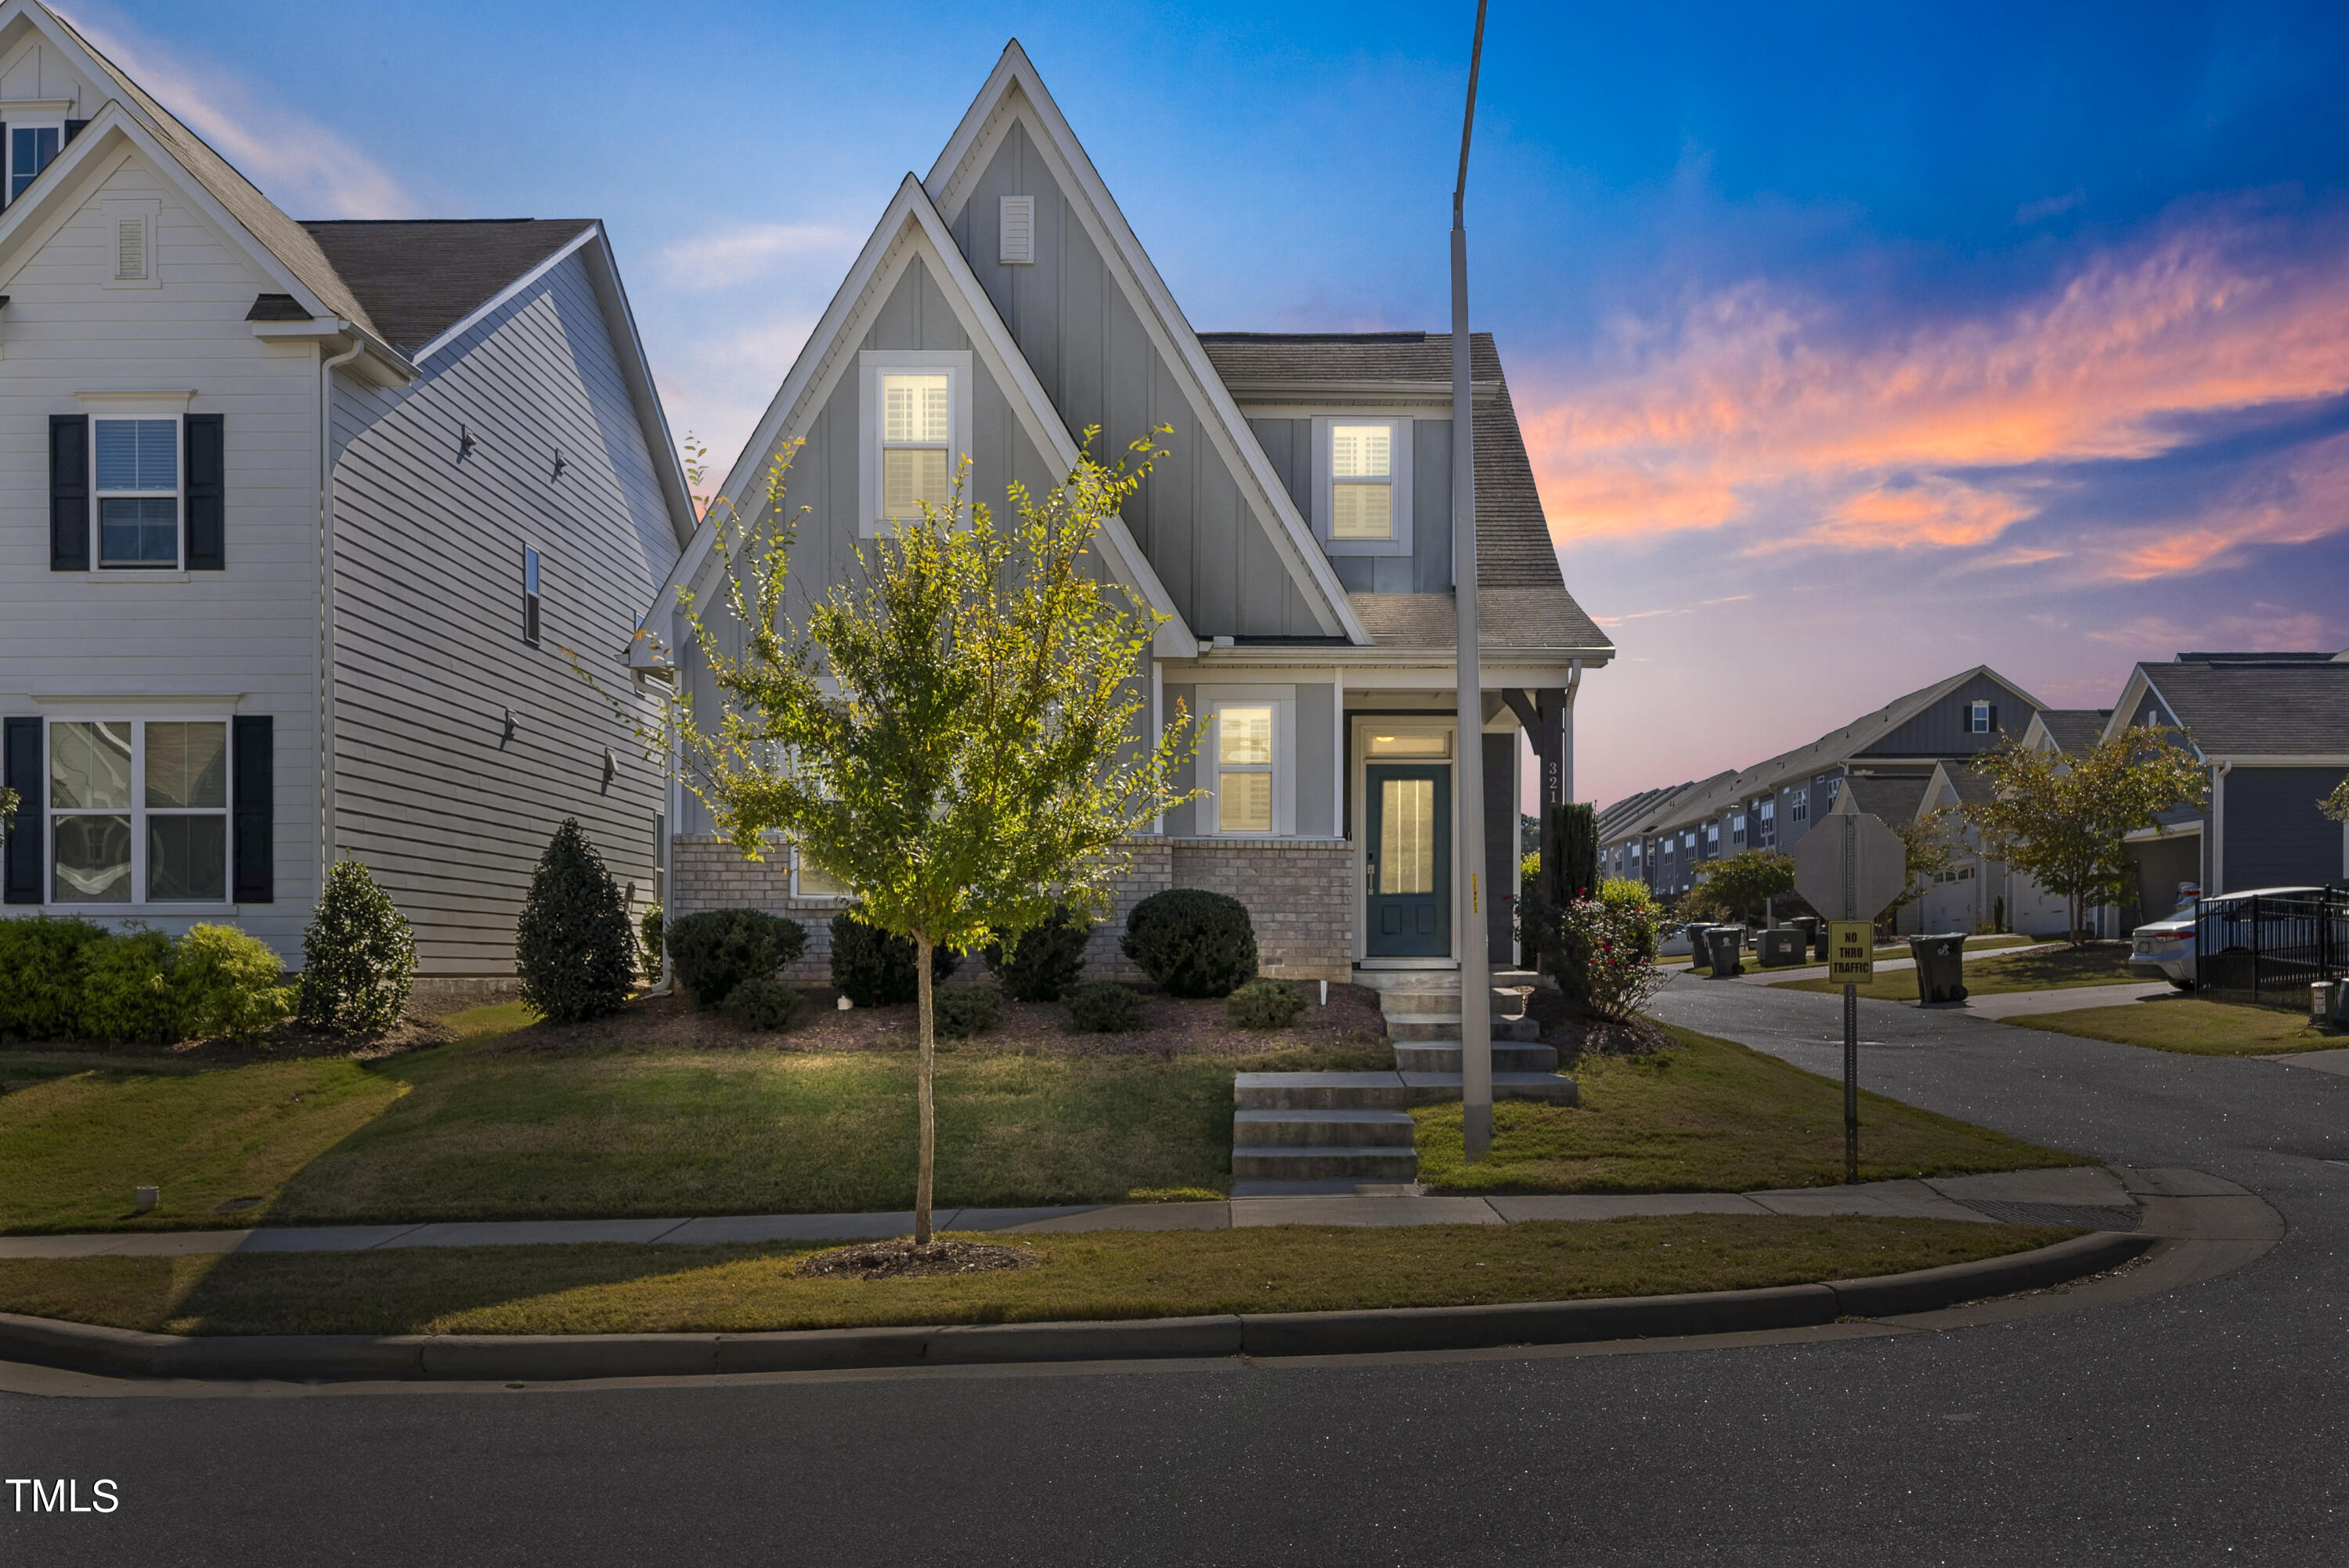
1566, 736
2217, 838
327, 368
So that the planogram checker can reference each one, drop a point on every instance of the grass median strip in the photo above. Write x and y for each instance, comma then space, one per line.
2061, 969
2191, 1026
610, 1289
1707, 1116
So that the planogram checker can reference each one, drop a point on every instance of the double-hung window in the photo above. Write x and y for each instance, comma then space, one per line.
1765, 823
1979, 719
135, 473
1737, 830
1798, 804
31, 149
917, 427
1362, 501
1250, 747
138, 811
1711, 840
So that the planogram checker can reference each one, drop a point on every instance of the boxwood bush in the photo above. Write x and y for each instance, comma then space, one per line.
962, 1011
874, 969
1046, 962
1263, 1005
1191, 942
1106, 1008
764, 1004
229, 984
72, 980
359, 957
718, 949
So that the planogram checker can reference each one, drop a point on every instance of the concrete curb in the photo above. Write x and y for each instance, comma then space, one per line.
552, 1357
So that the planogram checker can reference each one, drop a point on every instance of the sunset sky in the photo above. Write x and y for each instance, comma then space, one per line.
1855, 347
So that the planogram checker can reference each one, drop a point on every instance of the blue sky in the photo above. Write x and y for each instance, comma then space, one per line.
1855, 345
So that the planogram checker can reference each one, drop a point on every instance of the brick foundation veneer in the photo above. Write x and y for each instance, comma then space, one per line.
1299, 891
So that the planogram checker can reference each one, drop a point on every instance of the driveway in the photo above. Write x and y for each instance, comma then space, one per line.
2206, 1425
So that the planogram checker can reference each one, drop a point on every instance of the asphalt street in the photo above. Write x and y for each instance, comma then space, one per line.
2207, 1425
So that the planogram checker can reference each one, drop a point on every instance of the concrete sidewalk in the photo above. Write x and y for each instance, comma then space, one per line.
2071, 999
2079, 1194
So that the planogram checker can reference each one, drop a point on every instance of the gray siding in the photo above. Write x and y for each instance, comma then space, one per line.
1289, 444
1090, 350
1942, 729
1183, 821
2274, 835
450, 814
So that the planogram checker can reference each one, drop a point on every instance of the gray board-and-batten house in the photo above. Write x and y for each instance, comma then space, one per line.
299, 520
1298, 539
1888, 758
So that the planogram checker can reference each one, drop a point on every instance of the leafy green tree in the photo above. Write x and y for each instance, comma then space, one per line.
1742, 885
2336, 805
1934, 845
955, 733
2063, 819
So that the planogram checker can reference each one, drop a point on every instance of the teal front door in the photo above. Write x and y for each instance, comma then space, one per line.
1407, 876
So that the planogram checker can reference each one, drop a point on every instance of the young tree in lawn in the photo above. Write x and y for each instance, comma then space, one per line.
957, 734
2063, 819
1742, 884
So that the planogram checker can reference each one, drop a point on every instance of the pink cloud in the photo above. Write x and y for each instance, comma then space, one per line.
1754, 403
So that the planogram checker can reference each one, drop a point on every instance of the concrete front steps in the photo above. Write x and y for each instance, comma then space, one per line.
1328, 1132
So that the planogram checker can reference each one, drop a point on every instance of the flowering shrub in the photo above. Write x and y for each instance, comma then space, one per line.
1614, 938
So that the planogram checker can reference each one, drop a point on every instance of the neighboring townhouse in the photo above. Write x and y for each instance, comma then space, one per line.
303, 525
1298, 539
1888, 758
2273, 730
1980, 891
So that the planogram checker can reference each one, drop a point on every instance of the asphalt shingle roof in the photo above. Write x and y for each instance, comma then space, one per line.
2231, 710
2075, 729
1889, 798
418, 278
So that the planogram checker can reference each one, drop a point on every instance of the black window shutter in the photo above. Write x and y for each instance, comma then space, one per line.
1994, 718
206, 538
4, 142
255, 809
21, 745
69, 493
73, 127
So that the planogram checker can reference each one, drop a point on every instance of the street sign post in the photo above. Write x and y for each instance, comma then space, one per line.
1850, 865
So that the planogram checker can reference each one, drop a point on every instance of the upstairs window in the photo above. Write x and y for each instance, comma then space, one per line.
1362, 505
1737, 830
1798, 804
1981, 717
135, 471
1765, 823
918, 423
530, 597
31, 149
1711, 840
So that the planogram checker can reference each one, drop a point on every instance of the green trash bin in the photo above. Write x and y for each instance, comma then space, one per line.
1941, 969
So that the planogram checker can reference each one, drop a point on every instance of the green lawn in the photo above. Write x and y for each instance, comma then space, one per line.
2106, 964
2193, 1025
607, 1289
1708, 1116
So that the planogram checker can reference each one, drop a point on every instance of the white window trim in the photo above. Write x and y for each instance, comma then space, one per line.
1325, 480
799, 857
137, 406
1978, 718
164, 710
1282, 699
145, 211
871, 365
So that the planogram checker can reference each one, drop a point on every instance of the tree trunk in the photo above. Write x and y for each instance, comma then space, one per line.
928, 1097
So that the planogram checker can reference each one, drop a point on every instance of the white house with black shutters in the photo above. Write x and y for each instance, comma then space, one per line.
301, 528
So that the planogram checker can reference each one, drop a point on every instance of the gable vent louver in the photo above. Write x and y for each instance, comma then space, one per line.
129, 250
1018, 245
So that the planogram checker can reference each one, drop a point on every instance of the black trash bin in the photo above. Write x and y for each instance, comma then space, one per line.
1724, 941
1699, 954
1780, 947
1814, 934
1940, 971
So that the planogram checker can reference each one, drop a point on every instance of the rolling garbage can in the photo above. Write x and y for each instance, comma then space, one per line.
1724, 941
1940, 971
1699, 954
1815, 935
1781, 947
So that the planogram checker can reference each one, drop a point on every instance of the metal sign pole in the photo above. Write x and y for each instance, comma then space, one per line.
1851, 1008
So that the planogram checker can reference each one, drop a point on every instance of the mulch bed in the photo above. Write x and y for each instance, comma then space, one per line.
1563, 1025
1172, 1025
901, 1259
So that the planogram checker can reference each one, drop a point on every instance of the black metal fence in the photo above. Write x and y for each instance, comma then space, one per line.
2270, 947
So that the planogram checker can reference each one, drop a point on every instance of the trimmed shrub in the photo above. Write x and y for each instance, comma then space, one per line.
1106, 1008
574, 951
962, 1011
1263, 1005
1047, 961
227, 985
718, 950
359, 957
41, 975
874, 969
126, 990
648, 943
1191, 942
763, 1003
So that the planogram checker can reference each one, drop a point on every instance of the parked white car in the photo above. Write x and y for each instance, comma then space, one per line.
2167, 946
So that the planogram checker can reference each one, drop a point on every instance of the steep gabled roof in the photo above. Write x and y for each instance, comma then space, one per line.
2075, 729
2243, 710
1889, 797
1015, 93
911, 227
416, 278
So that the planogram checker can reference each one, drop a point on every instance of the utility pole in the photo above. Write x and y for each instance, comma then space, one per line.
1470, 895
